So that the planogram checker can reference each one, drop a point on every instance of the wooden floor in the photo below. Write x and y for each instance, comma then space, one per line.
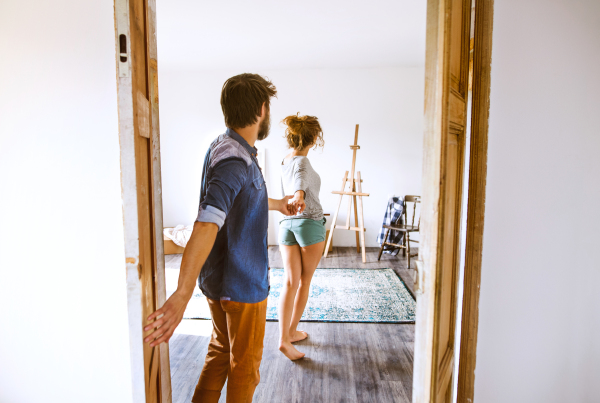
345, 362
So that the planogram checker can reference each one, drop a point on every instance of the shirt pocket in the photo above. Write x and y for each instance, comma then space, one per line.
259, 182
256, 195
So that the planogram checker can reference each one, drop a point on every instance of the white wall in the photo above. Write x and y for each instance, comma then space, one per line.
386, 102
259, 34
62, 288
539, 329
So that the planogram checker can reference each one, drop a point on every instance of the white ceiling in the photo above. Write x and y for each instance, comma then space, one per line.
283, 34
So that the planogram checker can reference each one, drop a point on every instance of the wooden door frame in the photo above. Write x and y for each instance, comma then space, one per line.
129, 195
475, 207
482, 60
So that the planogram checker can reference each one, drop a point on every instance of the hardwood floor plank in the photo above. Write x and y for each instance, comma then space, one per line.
398, 392
364, 360
400, 363
189, 365
340, 373
185, 348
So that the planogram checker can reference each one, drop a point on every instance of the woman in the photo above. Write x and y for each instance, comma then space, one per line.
301, 237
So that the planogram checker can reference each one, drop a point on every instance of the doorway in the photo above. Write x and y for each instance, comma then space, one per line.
379, 84
442, 122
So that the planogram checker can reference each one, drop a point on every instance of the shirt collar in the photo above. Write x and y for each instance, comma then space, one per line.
251, 150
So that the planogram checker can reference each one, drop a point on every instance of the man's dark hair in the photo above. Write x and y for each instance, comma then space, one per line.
242, 97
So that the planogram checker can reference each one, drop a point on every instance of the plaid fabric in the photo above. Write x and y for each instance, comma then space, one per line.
393, 215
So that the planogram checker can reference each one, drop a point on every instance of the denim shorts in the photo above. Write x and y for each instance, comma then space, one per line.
301, 231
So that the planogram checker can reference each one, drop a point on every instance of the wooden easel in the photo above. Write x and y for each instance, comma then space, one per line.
354, 193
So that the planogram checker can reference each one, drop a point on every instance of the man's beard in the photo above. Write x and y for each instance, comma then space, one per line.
265, 126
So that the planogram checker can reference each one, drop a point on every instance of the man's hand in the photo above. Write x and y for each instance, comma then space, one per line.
282, 205
298, 202
169, 317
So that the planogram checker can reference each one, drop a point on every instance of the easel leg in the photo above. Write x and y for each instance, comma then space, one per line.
356, 223
332, 226
349, 207
361, 219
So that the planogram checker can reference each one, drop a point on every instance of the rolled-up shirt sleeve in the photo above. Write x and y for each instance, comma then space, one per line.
227, 179
300, 176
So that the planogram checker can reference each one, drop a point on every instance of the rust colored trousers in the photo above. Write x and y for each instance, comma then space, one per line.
234, 352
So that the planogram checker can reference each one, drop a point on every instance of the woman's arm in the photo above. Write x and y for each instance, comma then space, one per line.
298, 202
301, 177
300, 185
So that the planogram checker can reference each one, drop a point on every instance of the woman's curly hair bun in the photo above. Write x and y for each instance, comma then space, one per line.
303, 131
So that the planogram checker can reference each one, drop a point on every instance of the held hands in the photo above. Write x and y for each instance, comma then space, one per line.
297, 202
282, 205
289, 205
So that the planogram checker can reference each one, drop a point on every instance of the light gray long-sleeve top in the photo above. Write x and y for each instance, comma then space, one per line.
298, 174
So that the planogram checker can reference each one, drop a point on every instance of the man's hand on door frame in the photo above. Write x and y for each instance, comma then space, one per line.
169, 316
167, 319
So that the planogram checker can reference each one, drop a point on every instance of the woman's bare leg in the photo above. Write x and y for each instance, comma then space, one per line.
311, 256
292, 264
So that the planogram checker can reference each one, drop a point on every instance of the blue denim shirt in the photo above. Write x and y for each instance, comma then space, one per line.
234, 196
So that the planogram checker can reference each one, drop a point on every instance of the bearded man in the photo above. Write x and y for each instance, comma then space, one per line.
227, 251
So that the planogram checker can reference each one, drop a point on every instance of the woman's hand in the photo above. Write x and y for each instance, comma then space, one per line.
298, 202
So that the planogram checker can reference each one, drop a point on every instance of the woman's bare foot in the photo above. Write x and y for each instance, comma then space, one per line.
298, 335
290, 351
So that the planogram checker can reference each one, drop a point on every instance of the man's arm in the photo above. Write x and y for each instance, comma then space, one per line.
228, 178
224, 186
282, 205
194, 255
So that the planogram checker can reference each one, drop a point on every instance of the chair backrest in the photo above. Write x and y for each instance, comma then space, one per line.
414, 200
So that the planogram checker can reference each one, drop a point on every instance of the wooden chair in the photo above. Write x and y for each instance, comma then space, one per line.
406, 228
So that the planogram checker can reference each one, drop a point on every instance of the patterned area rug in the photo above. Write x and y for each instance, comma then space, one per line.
336, 295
